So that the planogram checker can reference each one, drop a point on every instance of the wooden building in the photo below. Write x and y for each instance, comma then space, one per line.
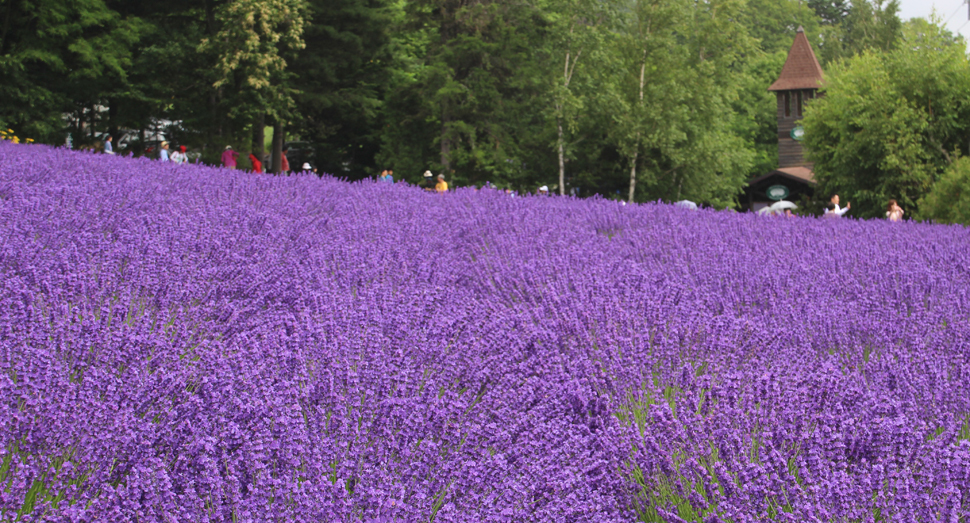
799, 82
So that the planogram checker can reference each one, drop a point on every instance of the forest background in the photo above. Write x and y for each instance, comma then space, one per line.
633, 99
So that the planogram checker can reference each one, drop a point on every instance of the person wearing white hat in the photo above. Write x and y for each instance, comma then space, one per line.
427, 181
306, 166
544, 189
163, 152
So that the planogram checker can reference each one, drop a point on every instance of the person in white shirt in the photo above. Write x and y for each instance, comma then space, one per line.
178, 155
107, 145
835, 209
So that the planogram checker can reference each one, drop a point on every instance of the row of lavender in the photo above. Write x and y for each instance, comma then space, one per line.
180, 343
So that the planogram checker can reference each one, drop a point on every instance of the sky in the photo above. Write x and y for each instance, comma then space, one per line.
953, 12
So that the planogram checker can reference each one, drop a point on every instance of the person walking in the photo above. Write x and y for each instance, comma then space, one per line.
834, 208
163, 152
386, 176
894, 212
442, 185
108, 149
257, 165
229, 158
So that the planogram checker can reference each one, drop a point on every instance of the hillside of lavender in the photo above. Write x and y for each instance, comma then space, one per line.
183, 343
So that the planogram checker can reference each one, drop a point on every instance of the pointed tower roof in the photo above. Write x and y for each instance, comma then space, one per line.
801, 70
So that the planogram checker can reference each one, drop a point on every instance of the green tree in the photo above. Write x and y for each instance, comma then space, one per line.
866, 24
832, 12
468, 90
578, 32
891, 122
342, 78
60, 57
672, 105
251, 48
949, 200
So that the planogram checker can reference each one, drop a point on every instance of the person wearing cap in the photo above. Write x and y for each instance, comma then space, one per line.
544, 190
306, 167
442, 185
229, 158
163, 152
257, 165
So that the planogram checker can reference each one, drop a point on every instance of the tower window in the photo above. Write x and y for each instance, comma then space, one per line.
799, 103
787, 104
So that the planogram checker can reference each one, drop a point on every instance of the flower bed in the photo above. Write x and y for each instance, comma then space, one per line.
183, 343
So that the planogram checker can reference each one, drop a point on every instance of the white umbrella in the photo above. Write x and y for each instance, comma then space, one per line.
782, 205
686, 204
777, 207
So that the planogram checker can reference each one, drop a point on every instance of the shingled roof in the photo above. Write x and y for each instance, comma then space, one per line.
801, 70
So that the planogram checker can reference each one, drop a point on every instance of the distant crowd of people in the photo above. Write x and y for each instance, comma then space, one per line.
229, 158
438, 184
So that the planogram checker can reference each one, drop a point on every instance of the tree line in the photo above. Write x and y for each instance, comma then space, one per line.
633, 99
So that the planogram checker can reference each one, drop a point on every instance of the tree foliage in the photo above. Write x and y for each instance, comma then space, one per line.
949, 199
891, 122
632, 99
57, 55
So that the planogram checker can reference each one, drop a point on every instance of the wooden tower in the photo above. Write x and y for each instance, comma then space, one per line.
800, 80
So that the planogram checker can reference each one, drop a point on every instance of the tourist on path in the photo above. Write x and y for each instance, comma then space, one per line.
229, 158
442, 185
163, 152
108, 149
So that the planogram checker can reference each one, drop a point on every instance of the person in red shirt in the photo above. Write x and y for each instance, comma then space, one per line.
257, 165
285, 164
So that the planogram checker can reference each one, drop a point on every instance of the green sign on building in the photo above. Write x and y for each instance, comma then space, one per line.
777, 192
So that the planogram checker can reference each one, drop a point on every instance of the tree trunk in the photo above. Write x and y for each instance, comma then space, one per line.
562, 159
567, 76
94, 122
445, 147
636, 143
277, 147
112, 117
6, 26
216, 121
259, 136
633, 175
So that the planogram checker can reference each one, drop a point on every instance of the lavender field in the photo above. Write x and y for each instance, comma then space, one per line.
195, 344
